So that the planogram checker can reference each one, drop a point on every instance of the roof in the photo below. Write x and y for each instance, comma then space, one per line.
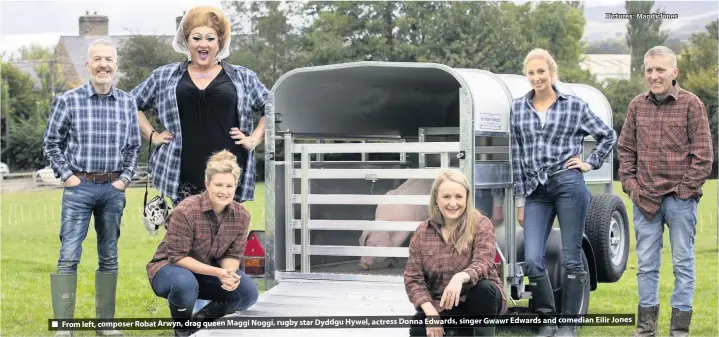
28, 67
608, 65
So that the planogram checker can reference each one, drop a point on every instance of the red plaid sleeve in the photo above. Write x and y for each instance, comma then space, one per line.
179, 237
237, 248
483, 251
627, 146
700, 147
414, 283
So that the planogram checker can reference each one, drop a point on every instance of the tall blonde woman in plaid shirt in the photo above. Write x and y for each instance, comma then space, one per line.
548, 128
451, 271
199, 257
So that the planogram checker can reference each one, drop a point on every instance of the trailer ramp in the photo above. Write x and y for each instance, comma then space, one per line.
318, 298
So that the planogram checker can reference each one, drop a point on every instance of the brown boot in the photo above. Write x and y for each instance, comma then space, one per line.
679, 326
646, 321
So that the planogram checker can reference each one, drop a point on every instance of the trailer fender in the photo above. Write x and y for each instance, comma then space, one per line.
554, 258
589, 254
553, 264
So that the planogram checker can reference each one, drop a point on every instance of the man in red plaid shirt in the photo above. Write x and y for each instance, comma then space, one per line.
665, 156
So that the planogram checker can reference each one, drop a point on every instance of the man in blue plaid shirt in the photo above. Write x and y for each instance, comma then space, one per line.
92, 140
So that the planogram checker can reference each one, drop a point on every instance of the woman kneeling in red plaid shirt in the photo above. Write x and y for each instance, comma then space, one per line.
451, 271
199, 258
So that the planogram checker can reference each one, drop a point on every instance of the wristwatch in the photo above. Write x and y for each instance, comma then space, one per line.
125, 181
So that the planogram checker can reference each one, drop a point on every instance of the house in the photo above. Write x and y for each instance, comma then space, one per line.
605, 66
29, 68
71, 51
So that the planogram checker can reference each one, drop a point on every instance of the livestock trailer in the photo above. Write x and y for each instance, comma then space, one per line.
339, 137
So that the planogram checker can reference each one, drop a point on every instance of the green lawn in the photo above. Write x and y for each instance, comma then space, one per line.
30, 244
29, 252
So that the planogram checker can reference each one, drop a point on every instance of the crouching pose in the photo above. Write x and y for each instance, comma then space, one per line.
450, 271
199, 258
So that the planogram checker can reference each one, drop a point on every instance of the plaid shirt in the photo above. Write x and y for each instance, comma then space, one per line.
665, 147
193, 230
539, 151
432, 263
91, 133
158, 91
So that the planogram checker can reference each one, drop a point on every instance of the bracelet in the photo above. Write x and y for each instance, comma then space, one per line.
254, 143
124, 181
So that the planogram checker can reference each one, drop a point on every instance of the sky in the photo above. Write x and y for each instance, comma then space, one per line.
25, 22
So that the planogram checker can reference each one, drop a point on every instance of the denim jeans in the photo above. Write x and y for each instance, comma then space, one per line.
566, 196
681, 219
103, 201
182, 288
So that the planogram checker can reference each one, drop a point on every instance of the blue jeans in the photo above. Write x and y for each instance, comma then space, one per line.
103, 201
566, 196
182, 288
681, 219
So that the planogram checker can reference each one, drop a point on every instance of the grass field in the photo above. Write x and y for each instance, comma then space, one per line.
30, 244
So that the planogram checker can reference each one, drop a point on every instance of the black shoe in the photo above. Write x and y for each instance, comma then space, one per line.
211, 312
680, 321
543, 302
572, 291
646, 321
182, 316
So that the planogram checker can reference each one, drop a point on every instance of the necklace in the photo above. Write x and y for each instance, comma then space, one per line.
203, 75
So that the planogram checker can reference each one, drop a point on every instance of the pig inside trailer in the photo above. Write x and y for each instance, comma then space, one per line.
351, 152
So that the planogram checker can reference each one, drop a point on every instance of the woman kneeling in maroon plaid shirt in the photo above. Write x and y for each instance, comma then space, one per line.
199, 258
451, 271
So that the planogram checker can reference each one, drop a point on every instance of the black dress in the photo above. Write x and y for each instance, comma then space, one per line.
206, 117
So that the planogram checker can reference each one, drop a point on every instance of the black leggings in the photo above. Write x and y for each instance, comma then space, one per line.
482, 299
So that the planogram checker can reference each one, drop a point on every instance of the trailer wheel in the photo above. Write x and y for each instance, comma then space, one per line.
608, 231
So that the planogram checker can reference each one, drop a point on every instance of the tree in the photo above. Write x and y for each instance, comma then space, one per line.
355, 31
608, 46
558, 27
47, 69
139, 55
698, 74
20, 99
576, 4
26, 112
267, 44
619, 93
642, 33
